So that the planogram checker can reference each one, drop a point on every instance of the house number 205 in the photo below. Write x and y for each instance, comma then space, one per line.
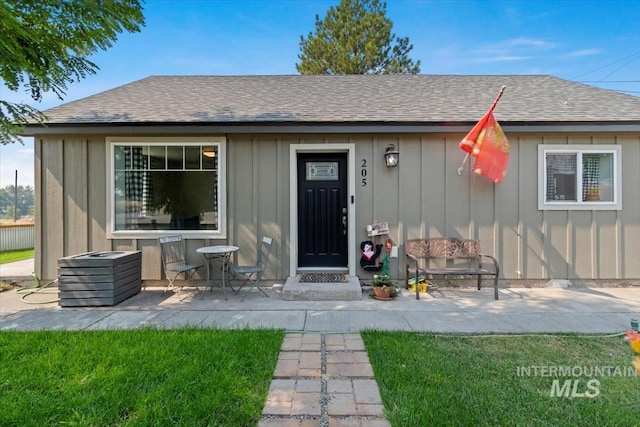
363, 172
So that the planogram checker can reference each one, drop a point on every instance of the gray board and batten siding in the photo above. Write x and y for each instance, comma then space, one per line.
423, 116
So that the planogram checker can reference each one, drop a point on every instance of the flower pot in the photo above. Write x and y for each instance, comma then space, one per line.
382, 292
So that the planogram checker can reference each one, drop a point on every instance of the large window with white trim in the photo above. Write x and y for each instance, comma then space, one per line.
579, 177
164, 185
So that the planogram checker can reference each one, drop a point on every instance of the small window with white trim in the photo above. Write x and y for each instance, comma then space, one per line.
167, 185
579, 177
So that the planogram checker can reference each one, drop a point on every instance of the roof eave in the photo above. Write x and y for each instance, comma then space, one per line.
319, 127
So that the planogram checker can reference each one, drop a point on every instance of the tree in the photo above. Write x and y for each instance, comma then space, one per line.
355, 38
25, 201
44, 45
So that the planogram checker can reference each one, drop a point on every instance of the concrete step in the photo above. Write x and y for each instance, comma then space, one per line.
294, 290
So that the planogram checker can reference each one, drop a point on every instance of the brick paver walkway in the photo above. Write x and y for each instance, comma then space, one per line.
323, 380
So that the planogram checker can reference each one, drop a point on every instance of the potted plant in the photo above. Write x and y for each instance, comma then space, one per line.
181, 195
383, 287
592, 194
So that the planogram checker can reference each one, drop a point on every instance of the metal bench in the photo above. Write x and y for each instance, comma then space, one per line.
420, 252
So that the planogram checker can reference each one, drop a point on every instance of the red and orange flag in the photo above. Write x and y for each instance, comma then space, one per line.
488, 144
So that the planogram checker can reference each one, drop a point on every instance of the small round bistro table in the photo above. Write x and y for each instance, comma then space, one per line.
218, 253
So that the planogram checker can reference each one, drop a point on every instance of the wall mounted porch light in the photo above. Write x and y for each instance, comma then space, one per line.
391, 156
209, 152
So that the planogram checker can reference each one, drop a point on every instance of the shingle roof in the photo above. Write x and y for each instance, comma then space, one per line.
348, 99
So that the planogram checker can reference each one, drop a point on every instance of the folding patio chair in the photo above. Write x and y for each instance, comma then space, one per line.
253, 273
174, 263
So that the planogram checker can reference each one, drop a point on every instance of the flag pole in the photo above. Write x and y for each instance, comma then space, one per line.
461, 168
498, 97
493, 106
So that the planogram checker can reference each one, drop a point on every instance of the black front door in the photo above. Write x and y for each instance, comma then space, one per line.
322, 210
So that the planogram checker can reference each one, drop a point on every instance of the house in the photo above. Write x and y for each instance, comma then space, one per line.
229, 159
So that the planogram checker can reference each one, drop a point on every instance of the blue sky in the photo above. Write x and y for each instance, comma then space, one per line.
592, 41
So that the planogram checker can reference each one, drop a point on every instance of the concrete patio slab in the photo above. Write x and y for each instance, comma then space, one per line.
597, 310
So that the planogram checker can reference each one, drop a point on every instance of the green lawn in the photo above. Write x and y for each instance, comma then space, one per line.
199, 377
480, 381
136, 378
10, 256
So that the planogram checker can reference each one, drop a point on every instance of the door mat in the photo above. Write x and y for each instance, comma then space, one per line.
323, 278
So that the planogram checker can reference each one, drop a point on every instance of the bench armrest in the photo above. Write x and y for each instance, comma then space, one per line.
496, 264
408, 259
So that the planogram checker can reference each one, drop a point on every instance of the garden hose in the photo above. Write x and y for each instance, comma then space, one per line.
37, 288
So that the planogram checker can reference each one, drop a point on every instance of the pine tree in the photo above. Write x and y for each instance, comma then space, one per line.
355, 38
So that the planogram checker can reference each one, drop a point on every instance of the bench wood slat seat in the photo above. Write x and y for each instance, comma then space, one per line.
420, 252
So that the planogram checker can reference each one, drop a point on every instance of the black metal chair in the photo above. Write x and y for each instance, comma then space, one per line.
174, 262
253, 273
